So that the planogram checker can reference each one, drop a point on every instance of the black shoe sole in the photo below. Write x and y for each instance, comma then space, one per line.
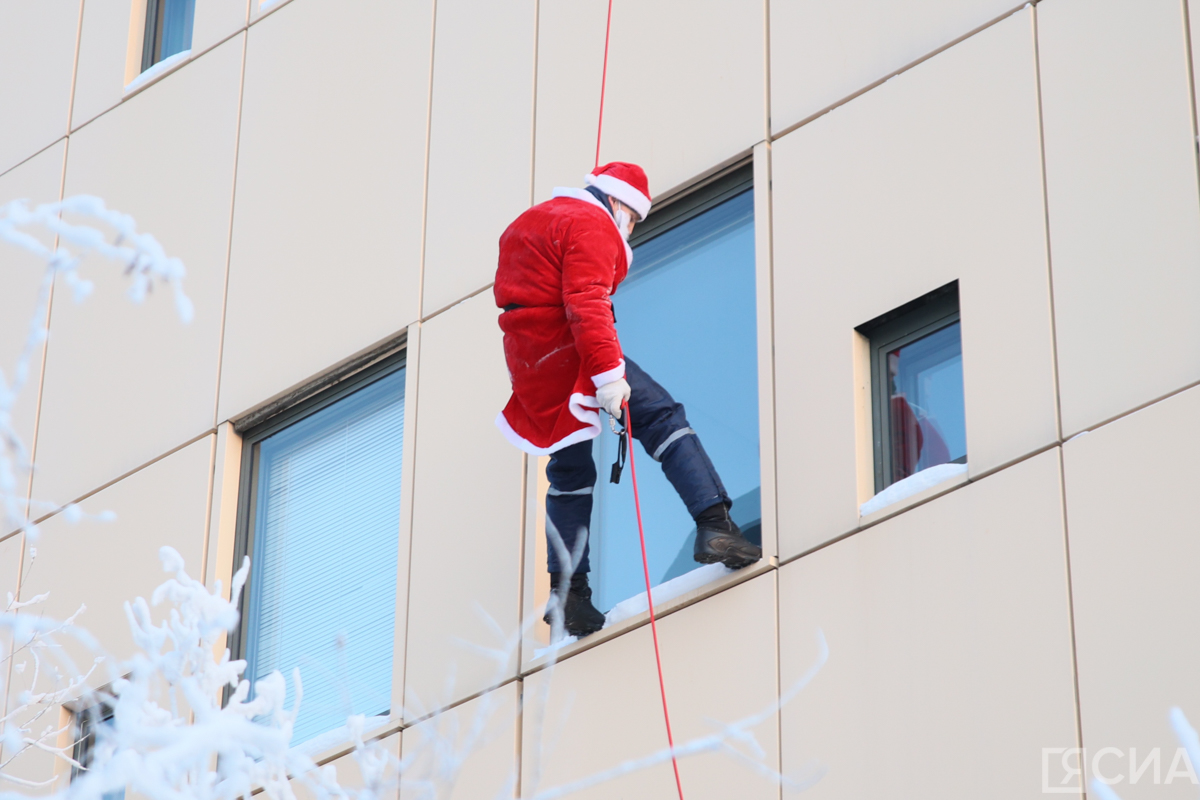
729, 561
579, 634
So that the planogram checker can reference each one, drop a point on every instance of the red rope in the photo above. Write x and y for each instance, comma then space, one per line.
662, 686
603, 81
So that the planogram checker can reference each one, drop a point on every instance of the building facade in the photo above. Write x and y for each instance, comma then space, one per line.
904, 256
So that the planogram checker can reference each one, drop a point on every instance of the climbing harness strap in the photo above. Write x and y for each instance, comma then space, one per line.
622, 449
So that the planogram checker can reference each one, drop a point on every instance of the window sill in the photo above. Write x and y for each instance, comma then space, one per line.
633, 613
325, 747
911, 491
157, 71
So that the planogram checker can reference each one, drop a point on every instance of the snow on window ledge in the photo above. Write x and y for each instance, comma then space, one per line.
668, 590
338, 737
912, 485
161, 67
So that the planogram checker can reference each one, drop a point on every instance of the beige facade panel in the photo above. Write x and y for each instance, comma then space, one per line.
129, 382
465, 568
38, 180
1133, 554
37, 54
876, 204
76, 563
602, 707
349, 776
1124, 205
481, 141
822, 53
950, 646
686, 91
104, 53
327, 223
484, 730
215, 20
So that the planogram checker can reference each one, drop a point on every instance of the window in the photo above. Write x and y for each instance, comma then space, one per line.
168, 30
687, 315
320, 520
88, 722
917, 387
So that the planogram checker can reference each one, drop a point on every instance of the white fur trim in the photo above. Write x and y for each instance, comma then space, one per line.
614, 374
615, 187
587, 197
514, 438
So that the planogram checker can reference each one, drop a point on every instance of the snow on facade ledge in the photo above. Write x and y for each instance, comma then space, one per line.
158, 69
913, 484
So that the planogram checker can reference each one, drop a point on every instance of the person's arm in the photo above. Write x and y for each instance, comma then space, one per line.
589, 264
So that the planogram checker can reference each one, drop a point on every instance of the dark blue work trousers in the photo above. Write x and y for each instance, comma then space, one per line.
661, 426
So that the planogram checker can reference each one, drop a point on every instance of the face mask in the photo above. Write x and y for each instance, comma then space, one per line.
623, 221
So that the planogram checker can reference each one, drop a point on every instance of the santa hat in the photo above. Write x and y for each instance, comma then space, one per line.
626, 182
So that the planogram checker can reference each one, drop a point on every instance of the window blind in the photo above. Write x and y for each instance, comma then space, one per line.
326, 538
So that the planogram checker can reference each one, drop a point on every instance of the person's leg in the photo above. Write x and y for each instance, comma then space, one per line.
660, 424
572, 476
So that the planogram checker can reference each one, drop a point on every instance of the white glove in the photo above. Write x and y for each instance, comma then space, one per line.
612, 395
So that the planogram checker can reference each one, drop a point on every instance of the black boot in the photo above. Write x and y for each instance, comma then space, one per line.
718, 539
580, 617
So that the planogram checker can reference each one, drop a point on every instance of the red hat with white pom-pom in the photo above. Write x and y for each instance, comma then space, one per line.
626, 182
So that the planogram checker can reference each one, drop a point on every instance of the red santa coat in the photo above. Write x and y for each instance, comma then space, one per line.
560, 261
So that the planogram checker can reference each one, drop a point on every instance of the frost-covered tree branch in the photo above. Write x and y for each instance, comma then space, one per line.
106, 232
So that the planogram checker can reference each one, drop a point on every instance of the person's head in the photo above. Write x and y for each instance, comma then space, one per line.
628, 192
625, 216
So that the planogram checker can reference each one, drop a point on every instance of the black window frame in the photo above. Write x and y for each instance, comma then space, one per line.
901, 326
85, 720
253, 431
692, 203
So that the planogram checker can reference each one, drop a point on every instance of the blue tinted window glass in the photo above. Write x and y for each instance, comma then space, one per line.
176, 27
326, 537
928, 423
686, 314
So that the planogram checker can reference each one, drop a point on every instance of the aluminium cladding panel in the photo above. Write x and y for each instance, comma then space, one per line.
1124, 205
37, 58
480, 141
110, 47
1132, 523
216, 19
483, 731
104, 564
38, 180
349, 775
100, 65
949, 634
822, 52
602, 706
686, 88
131, 381
466, 532
932, 177
325, 259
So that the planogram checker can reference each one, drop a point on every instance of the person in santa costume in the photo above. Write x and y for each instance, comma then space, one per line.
560, 262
